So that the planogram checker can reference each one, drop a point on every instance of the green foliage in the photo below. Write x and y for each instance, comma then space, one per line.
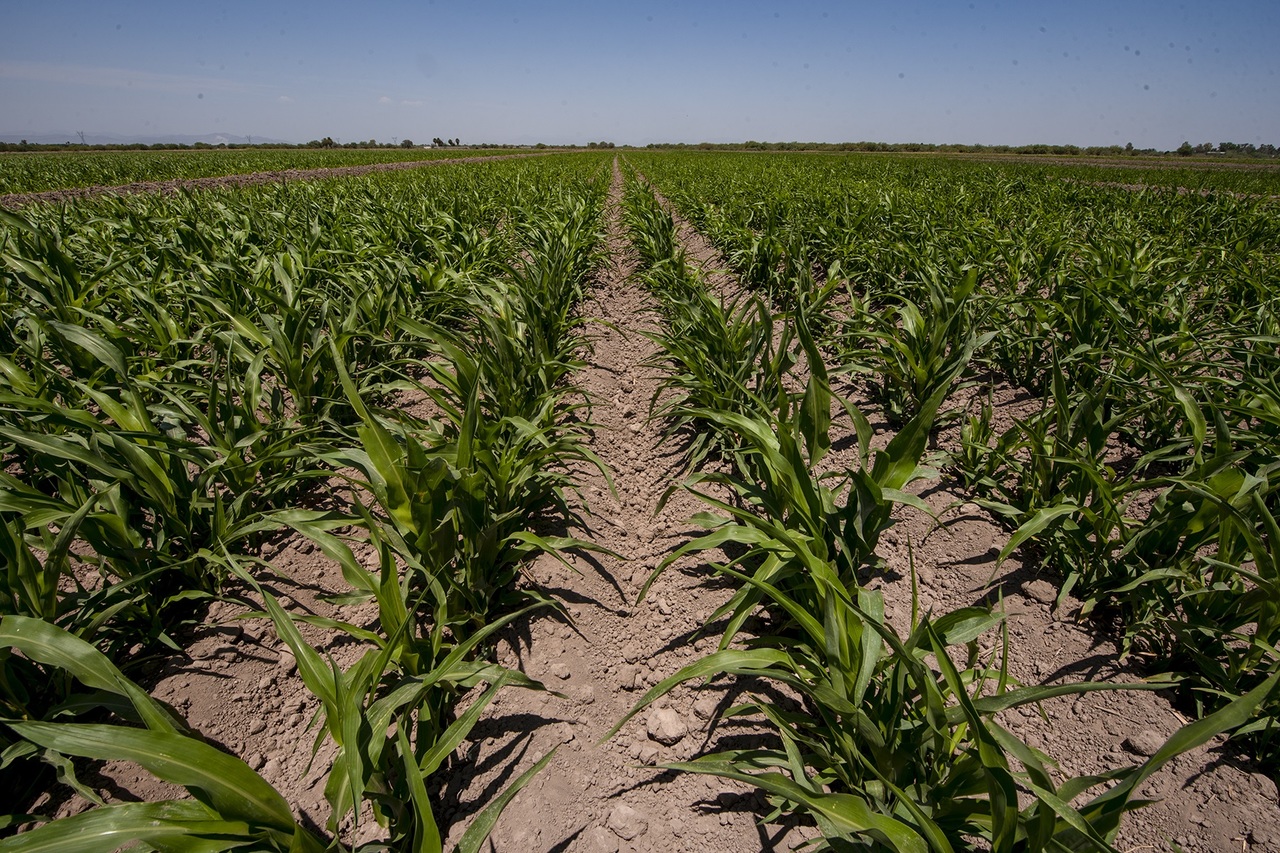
30, 172
179, 374
1144, 479
231, 806
913, 352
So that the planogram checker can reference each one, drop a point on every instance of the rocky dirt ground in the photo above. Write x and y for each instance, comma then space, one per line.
239, 686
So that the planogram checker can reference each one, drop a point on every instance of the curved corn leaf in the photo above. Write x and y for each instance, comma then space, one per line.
223, 782
172, 827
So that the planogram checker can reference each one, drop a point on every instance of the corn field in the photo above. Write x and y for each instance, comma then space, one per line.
42, 171
185, 378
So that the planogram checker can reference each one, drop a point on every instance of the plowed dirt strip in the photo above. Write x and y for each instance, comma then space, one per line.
608, 797
14, 201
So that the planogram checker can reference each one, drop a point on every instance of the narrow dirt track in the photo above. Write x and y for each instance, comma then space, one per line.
607, 797
14, 201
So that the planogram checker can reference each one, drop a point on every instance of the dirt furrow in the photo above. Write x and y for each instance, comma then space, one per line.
609, 797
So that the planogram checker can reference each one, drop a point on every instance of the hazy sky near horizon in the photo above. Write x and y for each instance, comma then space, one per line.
1084, 73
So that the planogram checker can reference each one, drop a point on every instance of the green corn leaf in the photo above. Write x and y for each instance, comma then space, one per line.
458, 730
426, 833
222, 782
48, 644
172, 827
728, 661
1105, 810
99, 347
1036, 524
838, 815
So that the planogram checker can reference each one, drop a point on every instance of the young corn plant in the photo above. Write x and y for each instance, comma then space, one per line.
392, 714
230, 806
652, 228
792, 520
911, 350
1046, 479
38, 582
721, 356
894, 746
158, 510
459, 500
1200, 593
458, 511
724, 358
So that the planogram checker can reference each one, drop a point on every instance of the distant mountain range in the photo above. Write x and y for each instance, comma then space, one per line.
57, 137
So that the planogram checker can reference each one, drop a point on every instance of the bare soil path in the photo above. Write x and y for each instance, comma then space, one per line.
608, 797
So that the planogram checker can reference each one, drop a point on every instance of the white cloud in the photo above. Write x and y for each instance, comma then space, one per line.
411, 103
285, 99
384, 100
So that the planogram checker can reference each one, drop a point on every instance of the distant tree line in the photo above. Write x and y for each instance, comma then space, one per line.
1231, 148
143, 146
1236, 149
328, 142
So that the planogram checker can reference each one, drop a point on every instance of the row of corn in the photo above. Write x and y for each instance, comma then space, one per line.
885, 735
32, 172
1143, 326
183, 377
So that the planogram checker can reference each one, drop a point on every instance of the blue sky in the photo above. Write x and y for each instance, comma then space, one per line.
1086, 73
